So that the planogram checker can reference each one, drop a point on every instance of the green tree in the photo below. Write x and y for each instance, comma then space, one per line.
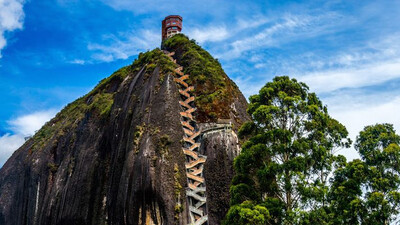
346, 203
379, 147
285, 163
367, 191
247, 213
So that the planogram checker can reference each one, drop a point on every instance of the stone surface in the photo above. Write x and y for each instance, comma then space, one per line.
116, 170
221, 147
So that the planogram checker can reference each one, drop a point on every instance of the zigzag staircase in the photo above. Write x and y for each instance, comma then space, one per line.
196, 191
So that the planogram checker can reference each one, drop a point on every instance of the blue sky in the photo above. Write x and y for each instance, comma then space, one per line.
53, 52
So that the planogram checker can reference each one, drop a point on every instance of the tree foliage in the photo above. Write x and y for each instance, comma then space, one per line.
214, 91
247, 213
288, 172
289, 153
367, 191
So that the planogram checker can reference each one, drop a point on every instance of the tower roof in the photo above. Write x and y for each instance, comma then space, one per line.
173, 16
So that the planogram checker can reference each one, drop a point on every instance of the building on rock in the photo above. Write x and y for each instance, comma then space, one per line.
171, 25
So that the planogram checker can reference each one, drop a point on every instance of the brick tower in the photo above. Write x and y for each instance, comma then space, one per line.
171, 25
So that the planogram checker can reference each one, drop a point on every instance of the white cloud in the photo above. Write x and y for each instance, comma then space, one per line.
11, 18
256, 58
357, 111
78, 61
211, 34
261, 34
368, 74
260, 65
248, 86
182, 7
8, 144
252, 22
266, 37
215, 32
28, 124
125, 45
143, 6
22, 126
376, 63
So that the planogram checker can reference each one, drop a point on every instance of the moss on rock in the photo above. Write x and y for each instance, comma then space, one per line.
214, 90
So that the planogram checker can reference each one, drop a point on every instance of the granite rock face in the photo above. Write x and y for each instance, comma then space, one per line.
221, 147
119, 160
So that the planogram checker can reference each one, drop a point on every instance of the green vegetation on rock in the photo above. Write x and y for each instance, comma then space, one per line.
163, 143
214, 90
99, 101
151, 60
137, 136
